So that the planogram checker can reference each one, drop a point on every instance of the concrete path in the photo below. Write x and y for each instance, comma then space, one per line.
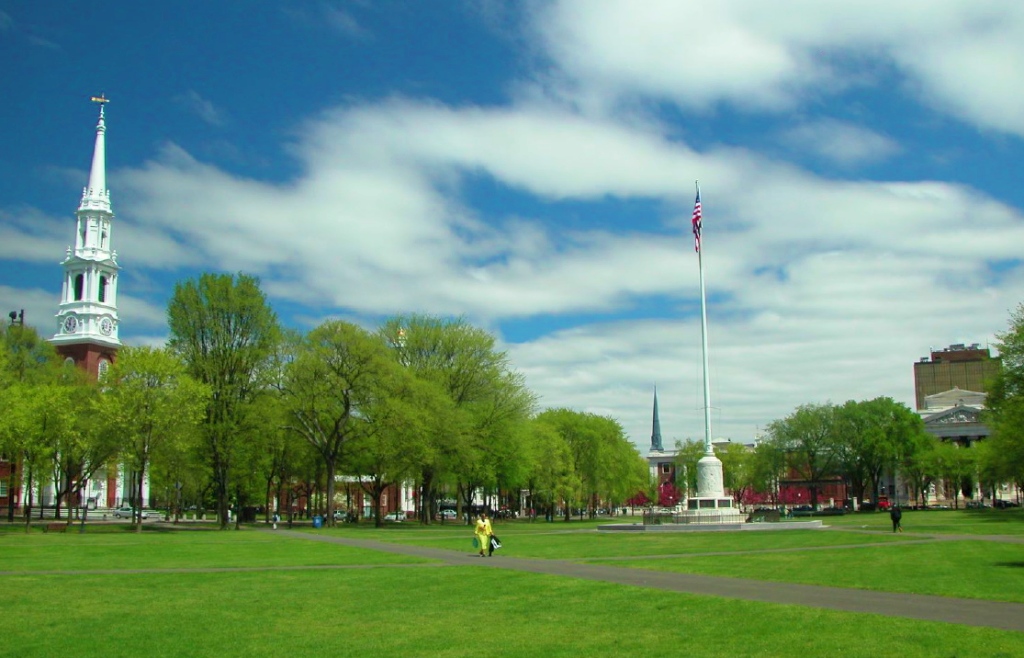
970, 612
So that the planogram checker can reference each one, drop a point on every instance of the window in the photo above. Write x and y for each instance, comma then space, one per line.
666, 467
103, 289
103, 367
79, 287
3, 489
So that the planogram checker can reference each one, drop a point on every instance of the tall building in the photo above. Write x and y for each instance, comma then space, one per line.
964, 367
87, 322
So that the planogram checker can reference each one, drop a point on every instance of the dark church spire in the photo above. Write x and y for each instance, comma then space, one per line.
656, 430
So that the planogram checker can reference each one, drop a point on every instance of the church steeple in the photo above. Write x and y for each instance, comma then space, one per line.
96, 196
656, 445
87, 322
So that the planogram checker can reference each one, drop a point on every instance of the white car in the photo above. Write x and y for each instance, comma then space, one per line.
395, 517
126, 513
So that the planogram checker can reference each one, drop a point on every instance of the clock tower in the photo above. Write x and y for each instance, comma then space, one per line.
87, 324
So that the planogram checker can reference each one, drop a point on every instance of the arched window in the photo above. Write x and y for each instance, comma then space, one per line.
79, 287
103, 289
103, 239
104, 366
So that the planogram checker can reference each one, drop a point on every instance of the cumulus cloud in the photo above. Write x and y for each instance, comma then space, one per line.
963, 58
840, 142
819, 288
817, 285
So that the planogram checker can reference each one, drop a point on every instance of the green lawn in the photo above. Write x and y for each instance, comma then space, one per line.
423, 609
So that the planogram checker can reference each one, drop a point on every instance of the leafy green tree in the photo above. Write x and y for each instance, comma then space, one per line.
344, 389
153, 407
551, 476
738, 468
768, 467
688, 453
873, 437
605, 465
920, 466
808, 437
1005, 402
226, 333
488, 402
83, 448
25, 361
957, 466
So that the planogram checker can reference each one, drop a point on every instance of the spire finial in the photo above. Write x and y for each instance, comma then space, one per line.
102, 100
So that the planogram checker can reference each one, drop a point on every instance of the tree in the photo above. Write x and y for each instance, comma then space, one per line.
768, 466
920, 466
606, 467
808, 437
688, 453
25, 361
551, 478
956, 465
226, 333
1005, 400
738, 466
342, 387
153, 408
872, 437
488, 400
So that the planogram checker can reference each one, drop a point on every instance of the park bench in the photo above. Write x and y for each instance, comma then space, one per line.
56, 527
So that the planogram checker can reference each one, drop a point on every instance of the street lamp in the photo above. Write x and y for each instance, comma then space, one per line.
17, 318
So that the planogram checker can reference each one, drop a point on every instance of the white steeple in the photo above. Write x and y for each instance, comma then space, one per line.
88, 306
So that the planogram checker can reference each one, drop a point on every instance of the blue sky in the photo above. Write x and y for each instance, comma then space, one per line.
530, 166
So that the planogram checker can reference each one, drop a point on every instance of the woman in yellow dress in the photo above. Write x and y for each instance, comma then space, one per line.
483, 533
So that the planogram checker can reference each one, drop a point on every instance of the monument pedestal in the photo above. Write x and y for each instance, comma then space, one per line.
710, 505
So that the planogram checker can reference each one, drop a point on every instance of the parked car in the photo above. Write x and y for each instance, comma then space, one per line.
395, 517
449, 514
127, 512
1003, 504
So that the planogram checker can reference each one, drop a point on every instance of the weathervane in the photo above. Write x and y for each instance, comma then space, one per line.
102, 100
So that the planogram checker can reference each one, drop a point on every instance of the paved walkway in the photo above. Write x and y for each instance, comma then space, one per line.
970, 612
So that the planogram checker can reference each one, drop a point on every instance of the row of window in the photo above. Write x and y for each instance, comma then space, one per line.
79, 288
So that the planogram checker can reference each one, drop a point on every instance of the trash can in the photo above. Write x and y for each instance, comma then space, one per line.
318, 521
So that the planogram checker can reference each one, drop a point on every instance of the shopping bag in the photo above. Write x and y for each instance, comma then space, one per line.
495, 542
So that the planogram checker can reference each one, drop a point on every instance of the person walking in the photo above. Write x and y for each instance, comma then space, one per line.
483, 533
896, 515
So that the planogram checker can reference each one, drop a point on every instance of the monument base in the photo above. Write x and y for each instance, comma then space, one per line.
711, 510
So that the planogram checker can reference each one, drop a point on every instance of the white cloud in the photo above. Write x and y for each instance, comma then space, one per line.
840, 142
963, 57
819, 288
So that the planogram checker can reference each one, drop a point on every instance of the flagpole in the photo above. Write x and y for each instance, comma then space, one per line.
708, 449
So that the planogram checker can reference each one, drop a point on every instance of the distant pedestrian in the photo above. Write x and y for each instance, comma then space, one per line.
483, 533
896, 515
277, 519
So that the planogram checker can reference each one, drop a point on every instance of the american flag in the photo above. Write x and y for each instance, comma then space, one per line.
696, 223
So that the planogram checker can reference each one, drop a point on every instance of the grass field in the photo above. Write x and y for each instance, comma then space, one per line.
109, 592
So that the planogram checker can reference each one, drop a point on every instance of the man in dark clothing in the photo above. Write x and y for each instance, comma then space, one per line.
895, 514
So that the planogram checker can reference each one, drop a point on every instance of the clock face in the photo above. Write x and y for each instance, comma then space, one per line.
106, 326
70, 324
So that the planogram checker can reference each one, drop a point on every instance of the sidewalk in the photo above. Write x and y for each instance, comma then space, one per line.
969, 612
